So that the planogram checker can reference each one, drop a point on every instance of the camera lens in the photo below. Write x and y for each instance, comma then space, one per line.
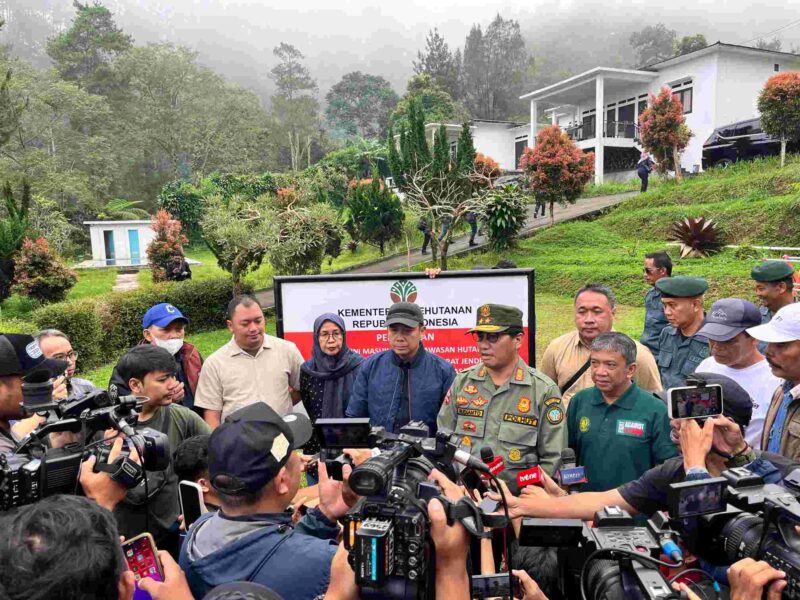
372, 477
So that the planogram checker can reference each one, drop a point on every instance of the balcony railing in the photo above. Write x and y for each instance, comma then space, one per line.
615, 129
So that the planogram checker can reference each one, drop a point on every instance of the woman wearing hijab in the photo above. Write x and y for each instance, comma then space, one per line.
327, 378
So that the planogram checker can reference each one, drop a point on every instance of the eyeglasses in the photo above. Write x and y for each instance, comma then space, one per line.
649, 270
70, 356
333, 335
492, 338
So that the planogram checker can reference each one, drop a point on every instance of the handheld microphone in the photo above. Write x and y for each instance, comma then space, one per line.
495, 463
466, 459
569, 474
532, 476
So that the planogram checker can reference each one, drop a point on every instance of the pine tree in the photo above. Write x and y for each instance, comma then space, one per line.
441, 151
419, 144
465, 153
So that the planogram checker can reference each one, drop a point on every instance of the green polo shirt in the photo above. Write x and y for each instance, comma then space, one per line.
617, 443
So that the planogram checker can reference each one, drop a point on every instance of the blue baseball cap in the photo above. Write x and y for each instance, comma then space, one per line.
162, 315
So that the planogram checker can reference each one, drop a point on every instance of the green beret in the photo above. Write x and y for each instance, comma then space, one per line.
497, 317
682, 286
772, 270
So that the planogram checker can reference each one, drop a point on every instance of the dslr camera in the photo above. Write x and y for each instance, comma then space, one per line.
36, 470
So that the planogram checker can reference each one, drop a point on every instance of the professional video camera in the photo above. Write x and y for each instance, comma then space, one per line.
387, 533
36, 470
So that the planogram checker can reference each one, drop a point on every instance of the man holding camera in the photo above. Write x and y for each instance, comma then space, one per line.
502, 403
255, 472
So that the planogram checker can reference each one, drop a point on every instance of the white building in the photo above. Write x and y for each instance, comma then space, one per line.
120, 243
503, 141
718, 85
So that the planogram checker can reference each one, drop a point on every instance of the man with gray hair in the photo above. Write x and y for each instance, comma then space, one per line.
618, 430
566, 359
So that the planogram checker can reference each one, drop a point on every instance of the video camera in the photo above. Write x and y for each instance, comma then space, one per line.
36, 470
387, 533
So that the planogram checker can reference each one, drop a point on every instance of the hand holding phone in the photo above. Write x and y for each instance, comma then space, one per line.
141, 555
192, 505
694, 402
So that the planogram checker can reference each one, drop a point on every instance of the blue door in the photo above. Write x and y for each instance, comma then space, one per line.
108, 243
133, 242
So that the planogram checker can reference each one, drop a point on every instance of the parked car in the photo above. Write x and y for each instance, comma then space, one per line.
739, 141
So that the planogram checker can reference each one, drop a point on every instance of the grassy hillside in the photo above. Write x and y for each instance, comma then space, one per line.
756, 203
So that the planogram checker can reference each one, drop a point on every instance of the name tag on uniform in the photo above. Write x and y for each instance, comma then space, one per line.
630, 428
520, 420
470, 412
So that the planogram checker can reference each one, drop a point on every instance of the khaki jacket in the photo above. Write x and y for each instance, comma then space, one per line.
790, 436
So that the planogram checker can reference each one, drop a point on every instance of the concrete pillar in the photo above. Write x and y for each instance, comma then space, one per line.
553, 118
599, 102
534, 119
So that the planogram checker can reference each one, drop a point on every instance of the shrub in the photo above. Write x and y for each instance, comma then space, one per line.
81, 321
184, 201
227, 185
305, 236
505, 216
14, 325
779, 105
374, 214
167, 244
39, 273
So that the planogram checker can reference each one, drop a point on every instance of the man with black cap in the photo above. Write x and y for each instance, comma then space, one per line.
774, 288
503, 404
705, 451
405, 383
20, 356
680, 347
734, 353
256, 472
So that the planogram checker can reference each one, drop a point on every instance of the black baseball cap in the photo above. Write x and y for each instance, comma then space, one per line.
405, 313
252, 446
728, 318
21, 355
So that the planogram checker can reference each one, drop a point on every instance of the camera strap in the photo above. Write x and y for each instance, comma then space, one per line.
471, 517
124, 471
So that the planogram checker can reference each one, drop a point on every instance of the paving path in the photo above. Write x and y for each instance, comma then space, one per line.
126, 282
583, 208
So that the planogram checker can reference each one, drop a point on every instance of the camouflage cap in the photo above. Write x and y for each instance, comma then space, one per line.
772, 270
682, 286
497, 317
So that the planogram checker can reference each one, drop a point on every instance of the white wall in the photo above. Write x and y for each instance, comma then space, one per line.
122, 251
497, 141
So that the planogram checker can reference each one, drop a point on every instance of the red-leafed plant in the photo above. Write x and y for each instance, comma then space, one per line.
663, 130
167, 244
40, 273
485, 170
556, 169
779, 104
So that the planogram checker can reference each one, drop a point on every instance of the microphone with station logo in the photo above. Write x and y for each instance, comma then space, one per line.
495, 463
569, 474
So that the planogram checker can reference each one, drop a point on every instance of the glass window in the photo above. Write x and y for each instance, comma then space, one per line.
685, 96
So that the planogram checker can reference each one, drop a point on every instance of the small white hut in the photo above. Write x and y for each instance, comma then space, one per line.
120, 243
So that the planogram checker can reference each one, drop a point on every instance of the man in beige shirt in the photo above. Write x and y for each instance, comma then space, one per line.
252, 367
595, 306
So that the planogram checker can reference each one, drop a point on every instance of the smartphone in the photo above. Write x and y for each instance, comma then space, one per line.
192, 505
142, 558
494, 586
695, 402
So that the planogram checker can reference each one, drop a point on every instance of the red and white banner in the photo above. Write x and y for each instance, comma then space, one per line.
449, 303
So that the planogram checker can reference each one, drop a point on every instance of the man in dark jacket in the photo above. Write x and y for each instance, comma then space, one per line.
405, 383
164, 325
256, 472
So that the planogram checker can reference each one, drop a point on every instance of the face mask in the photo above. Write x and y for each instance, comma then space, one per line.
171, 346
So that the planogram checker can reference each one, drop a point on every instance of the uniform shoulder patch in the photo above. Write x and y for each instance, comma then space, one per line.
481, 371
519, 375
550, 401
555, 415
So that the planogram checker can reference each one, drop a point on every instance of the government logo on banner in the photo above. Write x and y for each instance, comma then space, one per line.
403, 291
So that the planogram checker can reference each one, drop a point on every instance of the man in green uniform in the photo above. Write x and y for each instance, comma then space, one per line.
502, 403
681, 349
617, 429
774, 286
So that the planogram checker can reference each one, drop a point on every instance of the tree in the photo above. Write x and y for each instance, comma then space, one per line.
652, 44
40, 273
774, 44
184, 201
663, 130
556, 169
239, 231
779, 105
295, 108
14, 227
360, 104
120, 209
10, 109
505, 213
440, 63
306, 235
436, 104
495, 65
85, 52
441, 151
167, 244
465, 150
690, 43
374, 215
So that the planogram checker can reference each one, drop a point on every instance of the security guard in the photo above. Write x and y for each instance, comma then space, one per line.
502, 403
680, 348
774, 284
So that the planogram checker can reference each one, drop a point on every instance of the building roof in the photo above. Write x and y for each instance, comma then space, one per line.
625, 75
716, 47
148, 222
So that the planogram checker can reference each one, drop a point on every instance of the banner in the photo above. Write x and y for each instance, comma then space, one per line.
449, 302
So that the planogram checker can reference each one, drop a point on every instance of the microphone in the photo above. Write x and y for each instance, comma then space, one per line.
569, 474
532, 476
495, 463
466, 459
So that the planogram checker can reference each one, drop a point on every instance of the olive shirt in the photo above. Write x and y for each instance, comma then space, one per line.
679, 356
619, 442
566, 354
521, 420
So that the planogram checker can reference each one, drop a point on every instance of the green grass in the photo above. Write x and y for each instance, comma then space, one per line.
615, 187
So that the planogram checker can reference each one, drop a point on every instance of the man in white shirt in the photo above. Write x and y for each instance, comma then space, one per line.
734, 353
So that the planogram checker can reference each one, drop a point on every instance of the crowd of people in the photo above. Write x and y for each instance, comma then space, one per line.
236, 429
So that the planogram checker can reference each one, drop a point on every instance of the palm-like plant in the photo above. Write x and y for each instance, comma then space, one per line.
119, 209
698, 237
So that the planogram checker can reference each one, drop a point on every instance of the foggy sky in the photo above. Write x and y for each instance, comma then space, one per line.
236, 37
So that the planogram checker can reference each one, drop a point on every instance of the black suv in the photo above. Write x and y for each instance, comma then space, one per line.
739, 141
